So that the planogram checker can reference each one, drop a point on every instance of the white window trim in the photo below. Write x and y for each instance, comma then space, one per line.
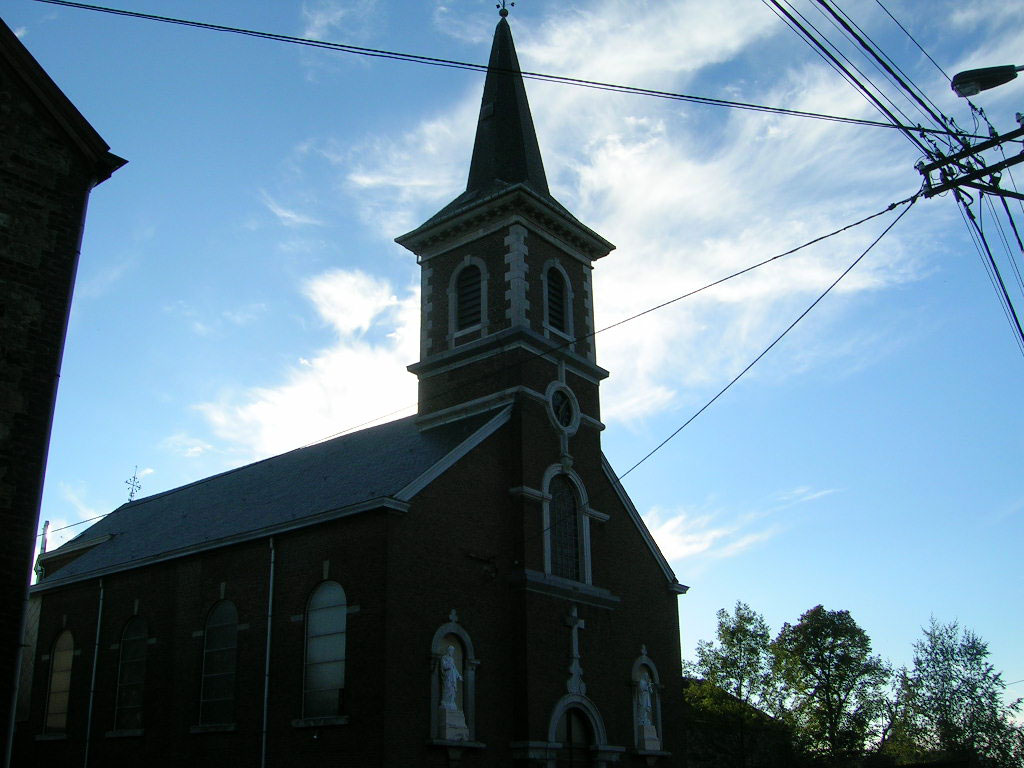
582, 509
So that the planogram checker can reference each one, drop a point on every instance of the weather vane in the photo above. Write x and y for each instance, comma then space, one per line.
134, 486
502, 10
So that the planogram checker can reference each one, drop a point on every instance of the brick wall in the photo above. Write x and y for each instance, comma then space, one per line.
45, 179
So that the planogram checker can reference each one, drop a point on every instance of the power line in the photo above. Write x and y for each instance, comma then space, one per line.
662, 305
778, 338
1001, 286
912, 39
454, 64
538, 355
823, 51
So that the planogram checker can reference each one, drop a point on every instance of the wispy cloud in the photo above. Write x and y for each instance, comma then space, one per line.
338, 20
717, 533
803, 494
20, 32
289, 217
335, 388
186, 445
709, 206
684, 535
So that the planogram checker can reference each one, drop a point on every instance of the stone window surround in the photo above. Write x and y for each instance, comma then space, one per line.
583, 510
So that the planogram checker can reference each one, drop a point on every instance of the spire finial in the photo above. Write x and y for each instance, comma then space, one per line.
134, 486
502, 10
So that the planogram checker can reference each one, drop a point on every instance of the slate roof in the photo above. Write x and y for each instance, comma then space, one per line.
295, 488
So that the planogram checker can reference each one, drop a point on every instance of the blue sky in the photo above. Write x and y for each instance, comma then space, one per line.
239, 293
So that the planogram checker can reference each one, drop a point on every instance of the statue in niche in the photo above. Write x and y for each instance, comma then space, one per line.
450, 677
647, 731
644, 691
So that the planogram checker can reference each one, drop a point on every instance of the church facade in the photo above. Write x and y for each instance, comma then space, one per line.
467, 586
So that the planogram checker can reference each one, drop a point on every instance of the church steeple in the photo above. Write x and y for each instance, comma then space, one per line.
506, 149
505, 267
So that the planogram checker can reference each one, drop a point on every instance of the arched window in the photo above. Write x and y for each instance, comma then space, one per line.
468, 297
324, 680
220, 658
565, 529
60, 682
557, 309
131, 675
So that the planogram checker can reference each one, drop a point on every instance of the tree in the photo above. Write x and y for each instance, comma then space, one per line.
730, 692
955, 702
739, 663
833, 686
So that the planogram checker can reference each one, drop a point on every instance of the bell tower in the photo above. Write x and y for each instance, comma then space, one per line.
507, 299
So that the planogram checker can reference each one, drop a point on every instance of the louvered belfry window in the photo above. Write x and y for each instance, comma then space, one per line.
467, 297
556, 300
565, 529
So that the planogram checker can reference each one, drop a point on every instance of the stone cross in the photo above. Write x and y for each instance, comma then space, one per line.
575, 682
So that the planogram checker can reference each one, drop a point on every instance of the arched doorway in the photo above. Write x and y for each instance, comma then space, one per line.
576, 735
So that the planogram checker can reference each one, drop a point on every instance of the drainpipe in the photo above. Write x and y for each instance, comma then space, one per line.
266, 664
92, 684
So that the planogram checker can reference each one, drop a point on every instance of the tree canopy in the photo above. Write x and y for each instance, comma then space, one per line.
818, 685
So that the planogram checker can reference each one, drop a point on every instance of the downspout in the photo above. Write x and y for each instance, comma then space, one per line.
92, 684
266, 663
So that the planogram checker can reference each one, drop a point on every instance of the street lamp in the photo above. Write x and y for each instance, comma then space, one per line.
974, 81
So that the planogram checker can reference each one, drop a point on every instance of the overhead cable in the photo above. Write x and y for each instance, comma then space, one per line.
583, 337
778, 338
453, 64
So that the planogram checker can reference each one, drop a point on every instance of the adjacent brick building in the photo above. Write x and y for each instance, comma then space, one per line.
50, 159
470, 585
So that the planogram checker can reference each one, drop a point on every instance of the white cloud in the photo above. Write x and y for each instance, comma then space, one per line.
685, 535
338, 20
709, 206
185, 445
803, 494
20, 32
244, 315
338, 387
288, 216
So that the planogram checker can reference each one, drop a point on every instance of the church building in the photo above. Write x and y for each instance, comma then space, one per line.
467, 586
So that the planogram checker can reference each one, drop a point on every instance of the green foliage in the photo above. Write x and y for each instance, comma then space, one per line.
954, 701
739, 663
818, 691
832, 685
732, 687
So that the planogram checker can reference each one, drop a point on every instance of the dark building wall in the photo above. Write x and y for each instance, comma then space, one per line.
462, 545
49, 160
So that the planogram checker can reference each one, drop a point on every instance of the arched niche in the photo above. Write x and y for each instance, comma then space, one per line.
452, 693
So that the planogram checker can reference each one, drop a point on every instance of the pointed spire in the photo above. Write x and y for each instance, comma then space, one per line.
506, 149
